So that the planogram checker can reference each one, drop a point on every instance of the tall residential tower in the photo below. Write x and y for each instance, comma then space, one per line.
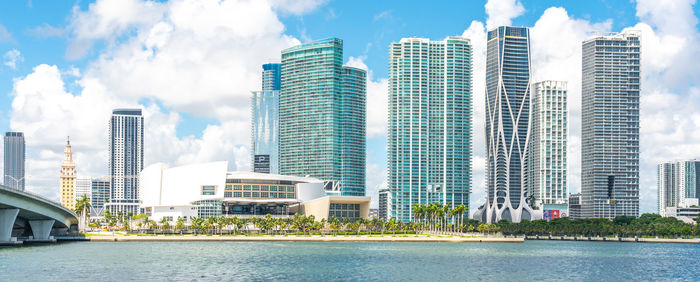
678, 185
610, 126
430, 124
547, 165
125, 160
265, 111
14, 160
508, 125
322, 116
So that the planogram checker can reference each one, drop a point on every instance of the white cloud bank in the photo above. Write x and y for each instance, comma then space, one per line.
197, 57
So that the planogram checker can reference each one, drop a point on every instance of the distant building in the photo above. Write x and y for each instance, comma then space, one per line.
430, 123
265, 147
508, 125
14, 160
575, 206
373, 213
207, 189
68, 176
125, 160
610, 126
547, 165
678, 186
100, 194
83, 186
322, 116
385, 204
266, 123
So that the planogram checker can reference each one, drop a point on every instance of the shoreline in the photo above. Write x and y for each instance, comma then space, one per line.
364, 238
313, 238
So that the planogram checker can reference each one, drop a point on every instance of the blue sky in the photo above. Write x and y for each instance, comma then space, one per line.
191, 65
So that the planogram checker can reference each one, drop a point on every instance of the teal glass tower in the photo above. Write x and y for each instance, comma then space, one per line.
430, 124
508, 125
322, 116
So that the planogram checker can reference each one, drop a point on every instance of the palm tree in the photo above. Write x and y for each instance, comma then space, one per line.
82, 207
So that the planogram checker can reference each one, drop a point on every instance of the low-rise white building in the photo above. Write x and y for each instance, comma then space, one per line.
207, 189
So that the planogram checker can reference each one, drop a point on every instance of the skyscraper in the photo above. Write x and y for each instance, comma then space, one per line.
678, 185
14, 160
265, 111
125, 160
68, 176
547, 165
430, 125
322, 116
272, 77
507, 125
610, 126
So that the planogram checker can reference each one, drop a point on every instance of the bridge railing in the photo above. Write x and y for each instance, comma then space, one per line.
36, 196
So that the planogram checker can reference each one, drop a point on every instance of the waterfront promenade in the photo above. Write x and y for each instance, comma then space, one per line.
312, 238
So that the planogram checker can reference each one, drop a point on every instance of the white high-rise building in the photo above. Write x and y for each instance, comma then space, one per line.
83, 186
125, 160
547, 164
678, 186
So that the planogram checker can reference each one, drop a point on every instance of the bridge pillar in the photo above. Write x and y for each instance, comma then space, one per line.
7, 221
41, 229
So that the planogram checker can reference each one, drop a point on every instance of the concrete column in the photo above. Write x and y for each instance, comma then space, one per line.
7, 221
41, 229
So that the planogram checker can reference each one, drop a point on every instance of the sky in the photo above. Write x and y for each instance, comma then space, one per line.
64, 65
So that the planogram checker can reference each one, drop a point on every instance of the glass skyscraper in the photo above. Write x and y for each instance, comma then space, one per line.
125, 160
610, 126
14, 160
507, 125
265, 110
548, 164
430, 124
322, 116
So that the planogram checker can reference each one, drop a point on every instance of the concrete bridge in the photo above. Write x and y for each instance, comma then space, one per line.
32, 218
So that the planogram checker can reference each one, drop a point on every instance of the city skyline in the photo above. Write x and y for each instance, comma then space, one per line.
184, 126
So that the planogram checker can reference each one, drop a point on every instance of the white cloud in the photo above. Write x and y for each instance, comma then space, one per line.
297, 7
377, 100
47, 30
12, 58
502, 12
5, 36
197, 57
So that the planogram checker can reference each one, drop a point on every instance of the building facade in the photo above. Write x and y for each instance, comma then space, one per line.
265, 110
508, 125
678, 184
575, 206
100, 192
83, 186
68, 178
322, 116
272, 77
208, 190
384, 210
430, 125
125, 160
265, 147
14, 160
610, 126
547, 166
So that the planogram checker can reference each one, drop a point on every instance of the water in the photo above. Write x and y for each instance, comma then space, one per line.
532, 260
